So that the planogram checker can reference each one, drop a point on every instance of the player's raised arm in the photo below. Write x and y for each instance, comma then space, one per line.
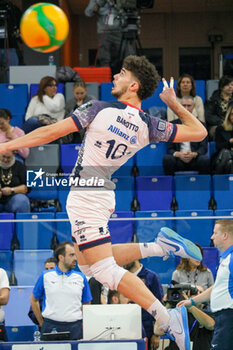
41, 135
191, 129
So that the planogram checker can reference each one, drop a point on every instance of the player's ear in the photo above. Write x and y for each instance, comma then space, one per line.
134, 86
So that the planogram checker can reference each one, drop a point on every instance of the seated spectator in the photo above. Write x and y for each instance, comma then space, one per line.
194, 272
223, 159
4, 297
186, 87
46, 107
9, 132
80, 97
186, 156
49, 264
13, 185
216, 107
63, 299
97, 290
115, 297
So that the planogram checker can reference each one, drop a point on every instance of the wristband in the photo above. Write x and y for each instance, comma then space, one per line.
192, 302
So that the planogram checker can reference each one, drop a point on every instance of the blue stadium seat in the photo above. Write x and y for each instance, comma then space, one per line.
17, 119
35, 235
105, 92
154, 192
198, 231
125, 169
6, 261
124, 192
46, 157
192, 192
164, 269
211, 259
68, 156
223, 191
6, 227
223, 212
14, 97
34, 89
121, 231
155, 100
149, 160
19, 326
201, 89
29, 264
212, 148
147, 230
63, 228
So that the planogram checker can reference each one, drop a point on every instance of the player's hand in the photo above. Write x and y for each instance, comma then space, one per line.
168, 95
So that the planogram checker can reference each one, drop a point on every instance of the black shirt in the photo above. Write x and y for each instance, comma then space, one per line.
12, 177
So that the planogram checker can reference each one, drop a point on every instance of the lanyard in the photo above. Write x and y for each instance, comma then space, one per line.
193, 325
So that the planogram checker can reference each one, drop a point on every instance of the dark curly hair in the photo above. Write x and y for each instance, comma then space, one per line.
145, 72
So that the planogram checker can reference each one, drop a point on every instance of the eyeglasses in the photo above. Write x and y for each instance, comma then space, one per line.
51, 85
187, 105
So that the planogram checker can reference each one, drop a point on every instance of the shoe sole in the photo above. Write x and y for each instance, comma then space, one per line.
189, 247
186, 327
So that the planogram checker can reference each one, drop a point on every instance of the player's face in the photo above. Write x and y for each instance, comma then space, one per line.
217, 237
69, 258
121, 83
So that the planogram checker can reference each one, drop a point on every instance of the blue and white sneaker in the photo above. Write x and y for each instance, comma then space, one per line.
174, 244
178, 329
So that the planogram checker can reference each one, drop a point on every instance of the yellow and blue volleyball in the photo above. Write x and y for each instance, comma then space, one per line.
44, 27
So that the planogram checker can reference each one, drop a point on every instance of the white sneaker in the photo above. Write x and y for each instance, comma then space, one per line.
174, 244
178, 329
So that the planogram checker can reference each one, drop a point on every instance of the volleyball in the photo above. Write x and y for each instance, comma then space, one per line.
44, 27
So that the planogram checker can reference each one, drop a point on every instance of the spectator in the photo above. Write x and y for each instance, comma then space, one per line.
223, 159
151, 280
186, 87
97, 291
11, 48
115, 297
4, 297
201, 325
62, 303
49, 264
9, 132
220, 294
194, 272
80, 97
46, 107
13, 185
108, 31
216, 107
186, 156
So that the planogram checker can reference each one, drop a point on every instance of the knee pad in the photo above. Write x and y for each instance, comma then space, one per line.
85, 269
108, 273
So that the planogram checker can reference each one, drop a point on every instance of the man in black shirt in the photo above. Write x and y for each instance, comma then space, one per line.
13, 188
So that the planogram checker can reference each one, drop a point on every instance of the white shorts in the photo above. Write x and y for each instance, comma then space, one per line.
89, 213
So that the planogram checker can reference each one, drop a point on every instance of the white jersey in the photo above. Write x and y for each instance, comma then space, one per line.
115, 132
